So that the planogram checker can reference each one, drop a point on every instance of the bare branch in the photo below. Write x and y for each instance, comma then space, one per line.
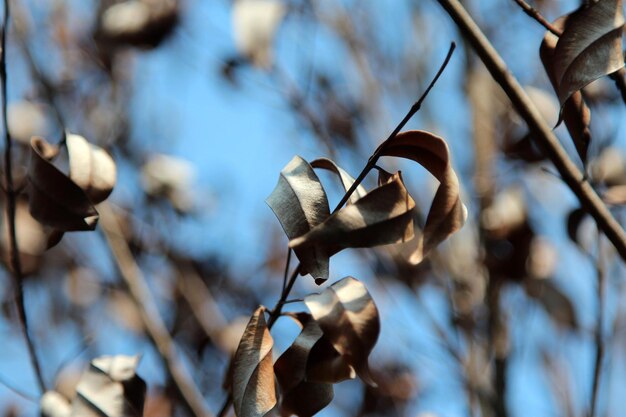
155, 327
11, 194
543, 133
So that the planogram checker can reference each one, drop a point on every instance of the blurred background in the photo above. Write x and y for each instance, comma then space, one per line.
202, 103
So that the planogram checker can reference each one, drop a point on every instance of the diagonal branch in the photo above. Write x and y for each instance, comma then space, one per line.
543, 133
155, 327
11, 195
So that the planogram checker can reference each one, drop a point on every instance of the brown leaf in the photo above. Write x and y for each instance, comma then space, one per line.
574, 111
615, 195
110, 388
349, 319
299, 396
447, 213
55, 200
91, 168
558, 306
383, 216
254, 392
346, 179
300, 203
590, 46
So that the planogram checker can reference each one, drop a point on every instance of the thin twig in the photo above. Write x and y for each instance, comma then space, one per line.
155, 327
619, 77
276, 312
599, 339
542, 132
16, 265
286, 274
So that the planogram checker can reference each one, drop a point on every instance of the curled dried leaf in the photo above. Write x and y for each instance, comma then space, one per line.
300, 203
345, 178
349, 319
383, 216
298, 395
558, 306
54, 199
447, 213
590, 46
253, 388
574, 111
53, 404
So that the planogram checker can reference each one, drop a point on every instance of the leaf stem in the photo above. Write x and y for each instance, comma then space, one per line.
16, 265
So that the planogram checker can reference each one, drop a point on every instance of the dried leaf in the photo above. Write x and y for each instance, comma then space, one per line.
300, 203
609, 168
574, 111
383, 216
349, 319
590, 46
55, 200
110, 388
299, 396
447, 213
254, 393
346, 179
91, 168
26, 119
255, 23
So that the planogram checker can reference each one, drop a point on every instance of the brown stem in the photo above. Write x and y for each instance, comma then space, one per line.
155, 327
16, 265
619, 77
542, 132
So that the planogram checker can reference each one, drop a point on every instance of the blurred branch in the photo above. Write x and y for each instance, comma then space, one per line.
599, 339
156, 329
543, 133
11, 193
619, 77
49, 90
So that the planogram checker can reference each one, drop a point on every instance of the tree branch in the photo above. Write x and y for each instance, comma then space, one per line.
11, 194
155, 327
542, 132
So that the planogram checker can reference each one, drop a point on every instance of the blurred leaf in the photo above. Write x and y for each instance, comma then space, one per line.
169, 177
345, 178
574, 111
383, 216
91, 168
299, 201
55, 200
53, 404
255, 23
590, 46
615, 195
142, 23
109, 388
253, 388
558, 306
609, 168
299, 396
349, 319
447, 213
26, 119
